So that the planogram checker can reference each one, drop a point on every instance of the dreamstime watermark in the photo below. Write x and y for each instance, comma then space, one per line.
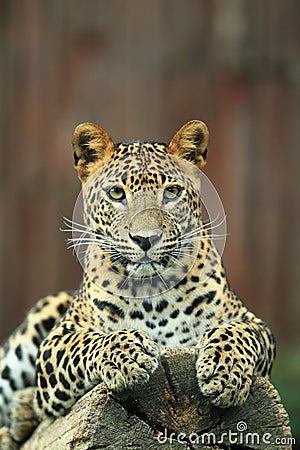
240, 436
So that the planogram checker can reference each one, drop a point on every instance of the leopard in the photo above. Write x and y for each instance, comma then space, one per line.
152, 278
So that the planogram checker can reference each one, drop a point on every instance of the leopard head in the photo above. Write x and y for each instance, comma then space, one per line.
141, 199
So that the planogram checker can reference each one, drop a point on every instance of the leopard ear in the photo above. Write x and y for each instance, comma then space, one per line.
93, 147
191, 142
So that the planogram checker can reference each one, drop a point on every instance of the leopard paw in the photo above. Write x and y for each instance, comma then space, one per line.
224, 368
128, 358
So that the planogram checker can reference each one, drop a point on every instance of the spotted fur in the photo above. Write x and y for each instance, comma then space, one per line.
143, 290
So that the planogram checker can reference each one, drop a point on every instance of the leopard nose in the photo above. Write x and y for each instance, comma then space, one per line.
145, 243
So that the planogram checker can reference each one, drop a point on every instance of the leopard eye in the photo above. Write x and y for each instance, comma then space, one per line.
172, 192
116, 193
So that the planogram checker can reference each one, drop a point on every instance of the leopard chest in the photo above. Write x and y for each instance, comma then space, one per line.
170, 320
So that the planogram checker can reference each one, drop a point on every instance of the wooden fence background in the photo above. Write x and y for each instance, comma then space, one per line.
141, 69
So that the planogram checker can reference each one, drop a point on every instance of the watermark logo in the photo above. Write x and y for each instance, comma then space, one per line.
241, 426
240, 436
137, 230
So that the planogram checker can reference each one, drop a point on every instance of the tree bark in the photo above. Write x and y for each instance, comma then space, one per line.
168, 412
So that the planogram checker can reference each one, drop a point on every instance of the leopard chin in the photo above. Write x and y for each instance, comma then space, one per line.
144, 269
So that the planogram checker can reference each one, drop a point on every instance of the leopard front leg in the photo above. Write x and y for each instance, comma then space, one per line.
229, 356
70, 363
128, 358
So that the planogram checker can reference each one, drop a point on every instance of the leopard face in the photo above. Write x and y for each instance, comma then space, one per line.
141, 202
141, 220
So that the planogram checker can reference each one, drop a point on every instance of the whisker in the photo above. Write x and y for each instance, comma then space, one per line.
204, 237
126, 280
81, 241
176, 261
208, 221
215, 226
81, 228
207, 226
162, 279
180, 254
187, 247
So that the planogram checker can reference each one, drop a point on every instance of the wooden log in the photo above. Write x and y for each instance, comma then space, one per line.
168, 412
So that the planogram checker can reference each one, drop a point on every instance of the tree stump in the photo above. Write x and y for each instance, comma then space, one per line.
167, 413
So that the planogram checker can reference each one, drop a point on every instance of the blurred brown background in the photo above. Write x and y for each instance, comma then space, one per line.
141, 69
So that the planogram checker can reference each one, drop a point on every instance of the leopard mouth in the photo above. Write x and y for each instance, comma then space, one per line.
143, 267
148, 264
145, 259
